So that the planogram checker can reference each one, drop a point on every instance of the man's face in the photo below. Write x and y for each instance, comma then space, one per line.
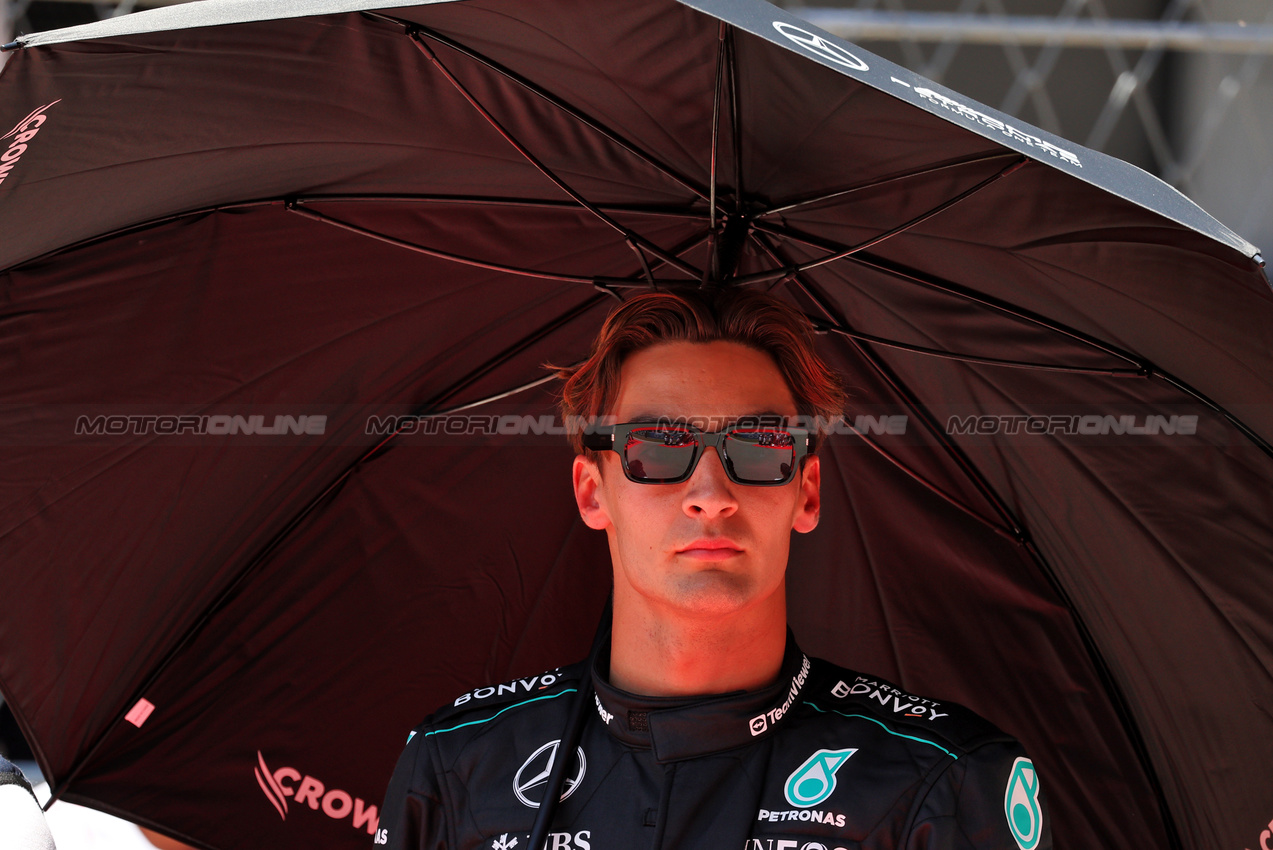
706, 547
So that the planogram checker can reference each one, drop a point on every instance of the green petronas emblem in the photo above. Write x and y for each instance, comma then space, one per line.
1021, 804
813, 781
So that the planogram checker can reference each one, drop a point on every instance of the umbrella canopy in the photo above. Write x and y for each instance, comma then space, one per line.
371, 226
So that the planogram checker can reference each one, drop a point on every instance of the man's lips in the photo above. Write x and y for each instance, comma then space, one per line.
714, 549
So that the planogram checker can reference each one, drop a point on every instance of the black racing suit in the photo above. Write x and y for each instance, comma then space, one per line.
824, 758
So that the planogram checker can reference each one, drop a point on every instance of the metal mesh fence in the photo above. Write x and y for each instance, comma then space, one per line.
1182, 88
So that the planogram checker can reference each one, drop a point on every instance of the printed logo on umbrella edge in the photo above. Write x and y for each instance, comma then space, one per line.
1266, 836
819, 46
817, 770
539, 777
23, 132
1021, 804
333, 802
273, 792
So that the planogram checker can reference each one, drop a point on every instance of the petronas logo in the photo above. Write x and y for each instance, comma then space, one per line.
1021, 804
813, 781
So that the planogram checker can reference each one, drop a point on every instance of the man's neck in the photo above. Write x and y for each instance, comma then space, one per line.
671, 656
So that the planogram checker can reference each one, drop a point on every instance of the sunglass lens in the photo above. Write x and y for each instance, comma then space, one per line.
659, 454
760, 456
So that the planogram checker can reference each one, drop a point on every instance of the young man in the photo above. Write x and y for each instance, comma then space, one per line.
707, 726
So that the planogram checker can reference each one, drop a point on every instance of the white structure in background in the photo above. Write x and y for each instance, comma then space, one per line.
80, 828
1182, 88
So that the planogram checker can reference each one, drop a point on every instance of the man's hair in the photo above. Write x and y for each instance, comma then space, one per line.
754, 319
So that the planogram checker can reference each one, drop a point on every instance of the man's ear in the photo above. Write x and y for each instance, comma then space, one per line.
586, 475
810, 504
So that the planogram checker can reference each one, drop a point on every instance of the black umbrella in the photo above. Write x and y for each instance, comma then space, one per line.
371, 227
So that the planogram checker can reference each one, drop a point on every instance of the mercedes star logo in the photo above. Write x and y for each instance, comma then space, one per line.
820, 46
532, 776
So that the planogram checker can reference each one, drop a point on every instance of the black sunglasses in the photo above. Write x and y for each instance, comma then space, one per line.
663, 453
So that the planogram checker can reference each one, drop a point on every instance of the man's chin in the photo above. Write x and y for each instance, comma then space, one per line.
713, 593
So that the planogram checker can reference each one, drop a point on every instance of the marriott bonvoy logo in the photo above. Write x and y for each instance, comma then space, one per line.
288, 783
22, 134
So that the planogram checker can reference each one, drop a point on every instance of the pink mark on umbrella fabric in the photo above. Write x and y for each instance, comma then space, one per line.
138, 713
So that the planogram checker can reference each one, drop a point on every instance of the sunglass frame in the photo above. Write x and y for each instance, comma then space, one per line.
615, 438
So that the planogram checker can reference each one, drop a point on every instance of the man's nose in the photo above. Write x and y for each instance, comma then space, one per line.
710, 492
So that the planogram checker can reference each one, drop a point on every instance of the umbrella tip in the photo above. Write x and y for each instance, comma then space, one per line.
1259, 260
13, 45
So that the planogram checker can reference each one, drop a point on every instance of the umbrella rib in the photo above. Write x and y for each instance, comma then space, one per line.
602, 283
875, 184
1114, 691
520, 388
645, 263
891, 232
143, 225
512, 351
297, 208
830, 325
687, 245
972, 358
715, 149
573, 112
477, 200
949, 288
943, 439
237, 582
1002, 530
983, 487
426, 411
736, 123
628, 234
607, 285
1009, 530
1245, 429
490, 200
